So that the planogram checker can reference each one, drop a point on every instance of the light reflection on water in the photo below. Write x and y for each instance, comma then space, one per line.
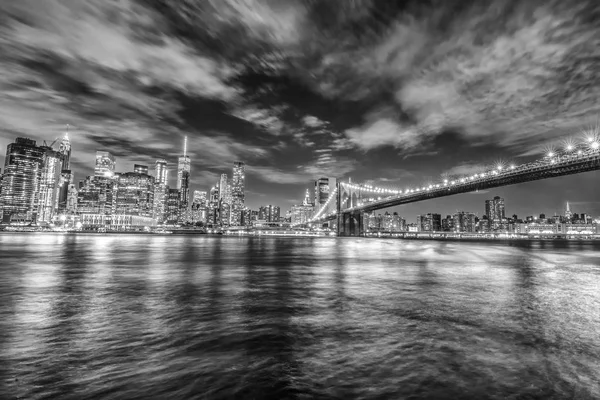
126, 316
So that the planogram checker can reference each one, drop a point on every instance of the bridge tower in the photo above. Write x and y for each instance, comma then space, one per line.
350, 223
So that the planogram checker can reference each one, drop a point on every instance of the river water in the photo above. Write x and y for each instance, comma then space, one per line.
198, 317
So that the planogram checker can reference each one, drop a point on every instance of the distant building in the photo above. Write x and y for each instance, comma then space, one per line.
105, 164
448, 224
238, 196
213, 218
173, 207
135, 194
22, 169
430, 222
49, 185
199, 207
464, 221
494, 209
269, 213
183, 183
160, 190
97, 195
302, 213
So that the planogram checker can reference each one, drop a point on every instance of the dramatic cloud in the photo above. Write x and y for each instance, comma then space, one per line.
298, 89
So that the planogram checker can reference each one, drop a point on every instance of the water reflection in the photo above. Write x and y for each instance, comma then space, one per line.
110, 316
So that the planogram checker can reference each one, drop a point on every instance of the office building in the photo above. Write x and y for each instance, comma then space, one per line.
49, 185
429, 222
161, 188
134, 194
183, 183
22, 169
172, 207
105, 164
302, 213
494, 209
464, 221
97, 196
213, 218
199, 209
238, 197
269, 213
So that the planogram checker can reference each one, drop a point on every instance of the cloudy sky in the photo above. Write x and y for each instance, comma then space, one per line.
359, 89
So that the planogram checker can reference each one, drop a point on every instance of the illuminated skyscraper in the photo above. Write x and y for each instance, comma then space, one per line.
65, 150
135, 194
160, 190
238, 197
429, 222
464, 222
568, 213
494, 209
105, 164
97, 196
199, 206
173, 207
301, 213
213, 218
183, 182
20, 183
49, 186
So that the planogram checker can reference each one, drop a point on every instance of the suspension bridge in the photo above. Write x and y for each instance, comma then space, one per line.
348, 202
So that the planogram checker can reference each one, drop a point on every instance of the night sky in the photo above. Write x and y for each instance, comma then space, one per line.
391, 92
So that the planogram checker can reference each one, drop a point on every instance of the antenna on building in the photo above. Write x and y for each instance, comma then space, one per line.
67, 132
185, 146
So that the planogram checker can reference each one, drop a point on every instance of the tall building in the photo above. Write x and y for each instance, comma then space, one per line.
173, 207
464, 221
135, 194
568, 213
160, 189
97, 195
183, 182
494, 209
269, 213
49, 184
224, 189
238, 197
105, 164
302, 213
140, 169
213, 218
429, 222
323, 187
199, 207
20, 183
66, 176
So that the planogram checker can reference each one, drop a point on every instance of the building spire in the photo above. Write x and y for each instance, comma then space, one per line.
568, 208
185, 146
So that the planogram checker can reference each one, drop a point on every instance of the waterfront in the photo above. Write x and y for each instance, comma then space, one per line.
148, 316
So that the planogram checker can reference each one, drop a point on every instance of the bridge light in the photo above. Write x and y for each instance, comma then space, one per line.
569, 147
550, 154
579, 152
453, 182
512, 167
595, 145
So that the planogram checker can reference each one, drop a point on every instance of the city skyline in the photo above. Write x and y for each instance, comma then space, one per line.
405, 99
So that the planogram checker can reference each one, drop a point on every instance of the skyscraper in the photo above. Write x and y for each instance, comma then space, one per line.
66, 177
105, 164
269, 213
238, 184
50, 179
494, 209
160, 190
301, 213
429, 222
20, 183
568, 213
183, 182
173, 208
199, 206
224, 188
213, 218
135, 194
464, 221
